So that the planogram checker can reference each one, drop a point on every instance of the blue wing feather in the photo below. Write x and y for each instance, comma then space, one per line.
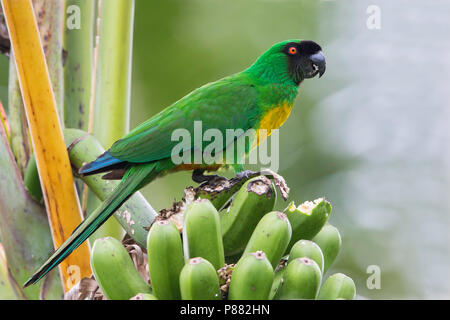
105, 162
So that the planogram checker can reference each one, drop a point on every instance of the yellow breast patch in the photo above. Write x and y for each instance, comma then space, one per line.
273, 119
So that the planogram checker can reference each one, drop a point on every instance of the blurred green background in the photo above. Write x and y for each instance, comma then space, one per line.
371, 135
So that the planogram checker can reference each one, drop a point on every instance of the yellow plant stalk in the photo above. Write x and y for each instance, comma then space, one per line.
52, 159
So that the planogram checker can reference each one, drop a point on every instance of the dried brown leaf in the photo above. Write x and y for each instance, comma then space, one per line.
225, 274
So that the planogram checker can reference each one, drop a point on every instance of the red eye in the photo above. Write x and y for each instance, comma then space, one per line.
292, 50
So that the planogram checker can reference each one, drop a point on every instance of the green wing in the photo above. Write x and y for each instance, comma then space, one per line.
230, 103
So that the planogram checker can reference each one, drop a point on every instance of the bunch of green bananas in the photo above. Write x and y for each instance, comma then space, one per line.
278, 255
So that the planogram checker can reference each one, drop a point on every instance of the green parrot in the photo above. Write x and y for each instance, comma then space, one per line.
260, 97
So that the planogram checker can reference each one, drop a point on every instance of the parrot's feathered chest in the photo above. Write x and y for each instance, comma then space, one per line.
275, 117
278, 106
272, 119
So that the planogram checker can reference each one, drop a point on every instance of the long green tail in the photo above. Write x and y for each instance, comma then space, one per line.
131, 182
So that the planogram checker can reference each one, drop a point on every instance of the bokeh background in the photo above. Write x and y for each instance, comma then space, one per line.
371, 135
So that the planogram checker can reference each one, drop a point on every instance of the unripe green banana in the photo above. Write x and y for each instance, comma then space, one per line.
252, 278
301, 280
307, 249
329, 241
165, 259
144, 296
337, 286
199, 281
114, 271
251, 202
277, 282
307, 219
31, 180
271, 235
202, 236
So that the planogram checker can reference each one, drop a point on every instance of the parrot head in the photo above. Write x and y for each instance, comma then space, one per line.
294, 60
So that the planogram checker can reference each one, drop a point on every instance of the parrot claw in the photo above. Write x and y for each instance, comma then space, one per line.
246, 174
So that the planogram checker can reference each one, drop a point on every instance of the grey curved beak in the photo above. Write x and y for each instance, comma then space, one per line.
318, 60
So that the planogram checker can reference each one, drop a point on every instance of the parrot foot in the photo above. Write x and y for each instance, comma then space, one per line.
246, 174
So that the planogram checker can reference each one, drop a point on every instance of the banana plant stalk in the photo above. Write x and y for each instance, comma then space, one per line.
78, 48
51, 155
49, 19
113, 85
111, 112
78, 73
24, 231
19, 134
